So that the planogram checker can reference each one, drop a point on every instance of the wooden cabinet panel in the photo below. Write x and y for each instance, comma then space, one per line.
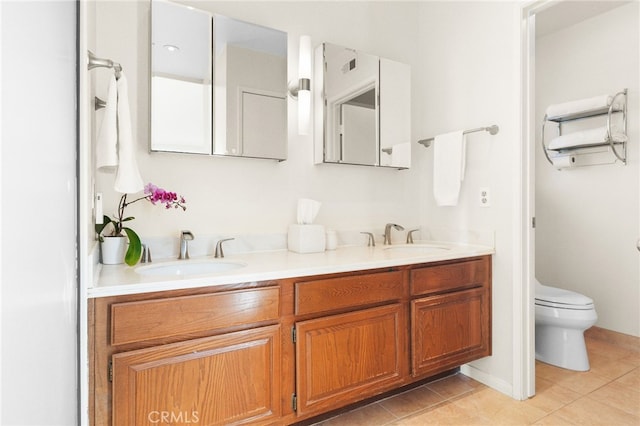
347, 292
449, 330
231, 378
459, 275
345, 358
160, 318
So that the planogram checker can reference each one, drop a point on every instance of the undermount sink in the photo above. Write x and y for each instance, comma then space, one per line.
189, 267
416, 249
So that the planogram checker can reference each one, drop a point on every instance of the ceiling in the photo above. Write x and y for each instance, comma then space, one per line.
566, 13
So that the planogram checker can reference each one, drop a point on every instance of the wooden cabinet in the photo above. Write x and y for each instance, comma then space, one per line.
222, 355
451, 325
210, 358
231, 378
344, 358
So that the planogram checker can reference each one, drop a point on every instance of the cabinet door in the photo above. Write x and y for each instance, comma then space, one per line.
345, 358
449, 330
231, 378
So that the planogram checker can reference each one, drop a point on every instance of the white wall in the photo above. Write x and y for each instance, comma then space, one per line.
469, 53
244, 196
465, 74
587, 218
38, 307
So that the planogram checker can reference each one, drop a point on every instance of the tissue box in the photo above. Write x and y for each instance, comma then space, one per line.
306, 238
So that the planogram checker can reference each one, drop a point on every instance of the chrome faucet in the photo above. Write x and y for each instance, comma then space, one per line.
371, 242
410, 235
387, 232
185, 237
219, 253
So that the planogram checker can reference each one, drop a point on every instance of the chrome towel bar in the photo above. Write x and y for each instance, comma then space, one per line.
494, 129
95, 62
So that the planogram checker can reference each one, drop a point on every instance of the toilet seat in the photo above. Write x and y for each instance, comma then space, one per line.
563, 299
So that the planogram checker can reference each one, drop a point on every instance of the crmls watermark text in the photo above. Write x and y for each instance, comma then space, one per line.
173, 417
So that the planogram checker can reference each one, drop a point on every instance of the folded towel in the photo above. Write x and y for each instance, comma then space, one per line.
595, 103
107, 142
448, 167
586, 138
128, 179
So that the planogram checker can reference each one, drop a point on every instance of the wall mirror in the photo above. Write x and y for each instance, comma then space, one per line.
362, 107
218, 85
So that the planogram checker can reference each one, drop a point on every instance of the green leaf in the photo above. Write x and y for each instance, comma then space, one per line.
132, 256
100, 226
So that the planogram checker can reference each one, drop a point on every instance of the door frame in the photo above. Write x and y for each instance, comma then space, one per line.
524, 354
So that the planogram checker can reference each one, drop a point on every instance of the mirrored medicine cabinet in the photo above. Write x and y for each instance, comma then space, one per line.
218, 85
362, 108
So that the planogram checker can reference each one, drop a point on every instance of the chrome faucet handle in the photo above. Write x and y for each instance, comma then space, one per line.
219, 253
410, 235
371, 241
185, 237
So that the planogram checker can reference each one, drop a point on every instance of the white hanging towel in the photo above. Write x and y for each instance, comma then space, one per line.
107, 142
448, 167
128, 179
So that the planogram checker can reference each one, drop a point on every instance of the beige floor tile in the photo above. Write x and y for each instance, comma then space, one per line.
453, 386
632, 359
608, 350
551, 372
581, 382
411, 401
630, 380
618, 396
445, 414
553, 420
586, 411
499, 408
550, 396
605, 367
369, 415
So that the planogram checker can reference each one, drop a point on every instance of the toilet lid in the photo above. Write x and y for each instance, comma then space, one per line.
558, 296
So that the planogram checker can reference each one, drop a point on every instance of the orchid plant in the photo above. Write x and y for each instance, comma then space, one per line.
154, 195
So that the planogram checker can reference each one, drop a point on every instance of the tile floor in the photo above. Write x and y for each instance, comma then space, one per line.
608, 394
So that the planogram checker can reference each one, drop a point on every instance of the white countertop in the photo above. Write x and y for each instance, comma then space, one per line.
262, 266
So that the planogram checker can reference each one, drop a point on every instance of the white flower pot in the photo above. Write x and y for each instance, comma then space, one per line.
113, 250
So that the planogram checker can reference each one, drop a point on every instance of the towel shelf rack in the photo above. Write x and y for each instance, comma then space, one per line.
493, 129
592, 150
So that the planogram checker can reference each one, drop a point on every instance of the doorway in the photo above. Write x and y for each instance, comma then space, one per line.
546, 24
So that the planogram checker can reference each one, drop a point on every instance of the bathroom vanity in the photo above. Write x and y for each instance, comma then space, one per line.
317, 333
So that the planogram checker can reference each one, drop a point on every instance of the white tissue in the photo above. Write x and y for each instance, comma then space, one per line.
307, 211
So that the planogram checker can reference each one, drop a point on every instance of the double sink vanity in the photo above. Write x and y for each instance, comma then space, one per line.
280, 337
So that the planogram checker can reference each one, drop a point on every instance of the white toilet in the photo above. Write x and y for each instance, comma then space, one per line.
562, 316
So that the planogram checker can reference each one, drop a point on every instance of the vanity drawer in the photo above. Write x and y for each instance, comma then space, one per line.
164, 318
453, 276
333, 294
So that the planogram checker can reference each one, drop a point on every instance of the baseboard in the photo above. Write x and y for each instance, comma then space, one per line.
486, 379
622, 340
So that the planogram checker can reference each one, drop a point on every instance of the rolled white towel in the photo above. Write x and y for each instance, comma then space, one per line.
581, 105
586, 138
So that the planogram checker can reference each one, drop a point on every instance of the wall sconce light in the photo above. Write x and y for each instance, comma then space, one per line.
301, 90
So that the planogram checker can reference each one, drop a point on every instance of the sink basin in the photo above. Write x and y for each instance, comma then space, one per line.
189, 267
416, 249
